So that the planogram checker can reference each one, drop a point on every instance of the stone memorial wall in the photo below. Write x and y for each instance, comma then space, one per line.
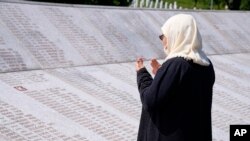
67, 72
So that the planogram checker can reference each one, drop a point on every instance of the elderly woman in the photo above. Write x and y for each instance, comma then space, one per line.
176, 104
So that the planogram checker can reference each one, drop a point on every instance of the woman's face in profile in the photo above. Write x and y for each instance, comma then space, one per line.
164, 42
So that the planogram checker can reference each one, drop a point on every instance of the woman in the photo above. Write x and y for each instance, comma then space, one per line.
176, 104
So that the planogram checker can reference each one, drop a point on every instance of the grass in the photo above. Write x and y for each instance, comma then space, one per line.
190, 4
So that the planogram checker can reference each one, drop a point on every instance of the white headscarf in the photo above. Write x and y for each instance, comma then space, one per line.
184, 39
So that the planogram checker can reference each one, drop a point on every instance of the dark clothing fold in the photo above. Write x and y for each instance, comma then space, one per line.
176, 104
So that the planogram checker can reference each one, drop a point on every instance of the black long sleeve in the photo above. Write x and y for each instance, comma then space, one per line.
176, 102
154, 92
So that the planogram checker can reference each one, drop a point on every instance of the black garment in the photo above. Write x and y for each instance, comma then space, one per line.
176, 104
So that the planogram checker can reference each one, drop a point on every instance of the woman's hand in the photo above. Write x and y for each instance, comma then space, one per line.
139, 64
155, 65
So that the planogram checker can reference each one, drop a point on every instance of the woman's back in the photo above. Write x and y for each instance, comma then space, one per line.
182, 113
